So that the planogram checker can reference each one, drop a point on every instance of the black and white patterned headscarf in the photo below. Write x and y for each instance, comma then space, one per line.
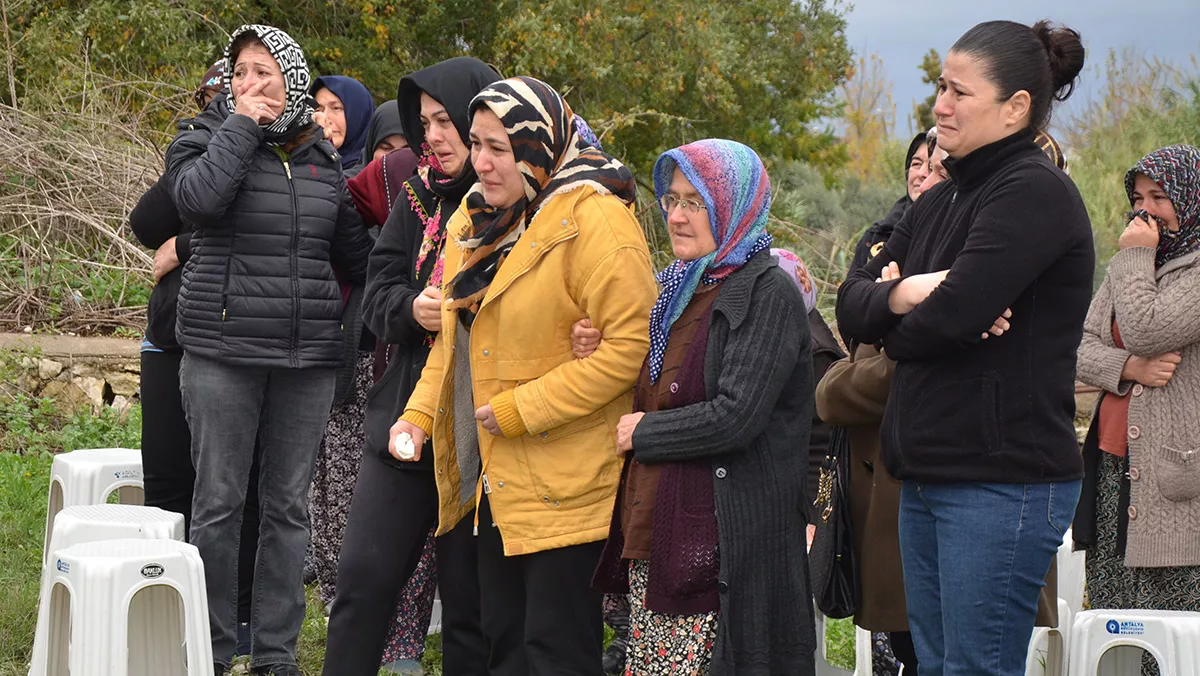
1176, 169
297, 110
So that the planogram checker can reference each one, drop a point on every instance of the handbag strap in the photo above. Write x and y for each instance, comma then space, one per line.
828, 477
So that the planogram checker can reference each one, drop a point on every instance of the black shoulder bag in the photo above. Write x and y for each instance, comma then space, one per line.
833, 563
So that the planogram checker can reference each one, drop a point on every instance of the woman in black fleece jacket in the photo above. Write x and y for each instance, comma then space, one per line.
984, 326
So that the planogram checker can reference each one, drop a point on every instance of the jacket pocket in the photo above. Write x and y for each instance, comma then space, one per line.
953, 421
1177, 473
385, 403
573, 464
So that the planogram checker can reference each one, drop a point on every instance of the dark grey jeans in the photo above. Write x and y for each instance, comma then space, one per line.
228, 407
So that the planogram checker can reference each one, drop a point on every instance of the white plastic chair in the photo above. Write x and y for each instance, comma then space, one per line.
1071, 574
124, 608
1049, 647
88, 476
1173, 638
94, 523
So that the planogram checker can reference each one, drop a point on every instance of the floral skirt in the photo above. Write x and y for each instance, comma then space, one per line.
660, 643
1110, 584
329, 499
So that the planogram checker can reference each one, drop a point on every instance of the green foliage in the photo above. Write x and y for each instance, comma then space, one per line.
822, 220
24, 479
667, 72
931, 70
652, 74
1145, 105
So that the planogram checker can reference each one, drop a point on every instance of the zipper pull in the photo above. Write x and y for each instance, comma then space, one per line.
288, 169
487, 487
222, 314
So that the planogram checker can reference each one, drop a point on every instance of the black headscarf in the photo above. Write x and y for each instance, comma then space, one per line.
882, 229
453, 83
384, 123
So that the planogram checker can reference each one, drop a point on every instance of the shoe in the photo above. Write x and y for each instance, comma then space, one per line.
613, 661
243, 640
277, 670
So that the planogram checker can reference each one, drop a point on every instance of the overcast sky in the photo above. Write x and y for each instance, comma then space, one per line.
902, 32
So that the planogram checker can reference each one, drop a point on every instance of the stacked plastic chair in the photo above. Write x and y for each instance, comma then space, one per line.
121, 594
1172, 638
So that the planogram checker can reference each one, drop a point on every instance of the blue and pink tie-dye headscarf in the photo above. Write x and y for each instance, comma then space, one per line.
735, 187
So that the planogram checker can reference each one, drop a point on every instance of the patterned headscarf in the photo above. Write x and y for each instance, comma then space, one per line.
798, 273
553, 160
297, 109
1053, 150
586, 133
1176, 169
735, 187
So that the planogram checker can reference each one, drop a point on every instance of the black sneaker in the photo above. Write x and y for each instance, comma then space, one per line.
277, 670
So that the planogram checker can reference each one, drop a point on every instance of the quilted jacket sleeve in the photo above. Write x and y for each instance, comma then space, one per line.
205, 168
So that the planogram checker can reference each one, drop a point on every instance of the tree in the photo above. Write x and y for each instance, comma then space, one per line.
650, 74
868, 112
931, 70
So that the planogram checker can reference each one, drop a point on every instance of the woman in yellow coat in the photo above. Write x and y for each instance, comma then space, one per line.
521, 429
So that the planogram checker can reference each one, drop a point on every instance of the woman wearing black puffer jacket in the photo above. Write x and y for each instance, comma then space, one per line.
260, 325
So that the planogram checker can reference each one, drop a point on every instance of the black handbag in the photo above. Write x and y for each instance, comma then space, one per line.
833, 565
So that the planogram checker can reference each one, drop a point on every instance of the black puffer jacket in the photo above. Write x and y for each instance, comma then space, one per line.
259, 288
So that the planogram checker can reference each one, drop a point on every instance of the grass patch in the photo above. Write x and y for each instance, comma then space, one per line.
839, 643
23, 482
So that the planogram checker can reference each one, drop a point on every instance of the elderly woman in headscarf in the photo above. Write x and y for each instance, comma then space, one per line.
520, 428
344, 110
260, 325
387, 162
825, 351
708, 533
1141, 346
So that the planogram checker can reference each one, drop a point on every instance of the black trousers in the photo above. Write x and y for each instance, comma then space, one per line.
167, 470
390, 516
540, 614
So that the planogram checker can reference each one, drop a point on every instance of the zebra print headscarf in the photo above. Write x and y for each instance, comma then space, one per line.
297, 111
552, 158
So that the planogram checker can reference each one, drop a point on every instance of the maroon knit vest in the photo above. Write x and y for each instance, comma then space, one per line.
684, 565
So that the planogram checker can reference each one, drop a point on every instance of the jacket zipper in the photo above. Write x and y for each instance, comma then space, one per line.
225, 287
293, 262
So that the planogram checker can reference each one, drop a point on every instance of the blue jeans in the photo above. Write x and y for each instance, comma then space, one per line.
227, 408
975, 558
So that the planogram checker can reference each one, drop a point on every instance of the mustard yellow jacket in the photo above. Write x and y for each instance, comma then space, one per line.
552, 478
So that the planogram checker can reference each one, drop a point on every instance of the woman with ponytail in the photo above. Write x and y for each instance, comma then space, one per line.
980, 297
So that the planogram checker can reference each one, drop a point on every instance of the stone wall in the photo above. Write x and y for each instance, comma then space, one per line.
76, 372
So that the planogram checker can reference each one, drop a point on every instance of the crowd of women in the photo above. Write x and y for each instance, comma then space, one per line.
427, 338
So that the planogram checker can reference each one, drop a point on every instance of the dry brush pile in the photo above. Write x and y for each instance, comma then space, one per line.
68, 261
